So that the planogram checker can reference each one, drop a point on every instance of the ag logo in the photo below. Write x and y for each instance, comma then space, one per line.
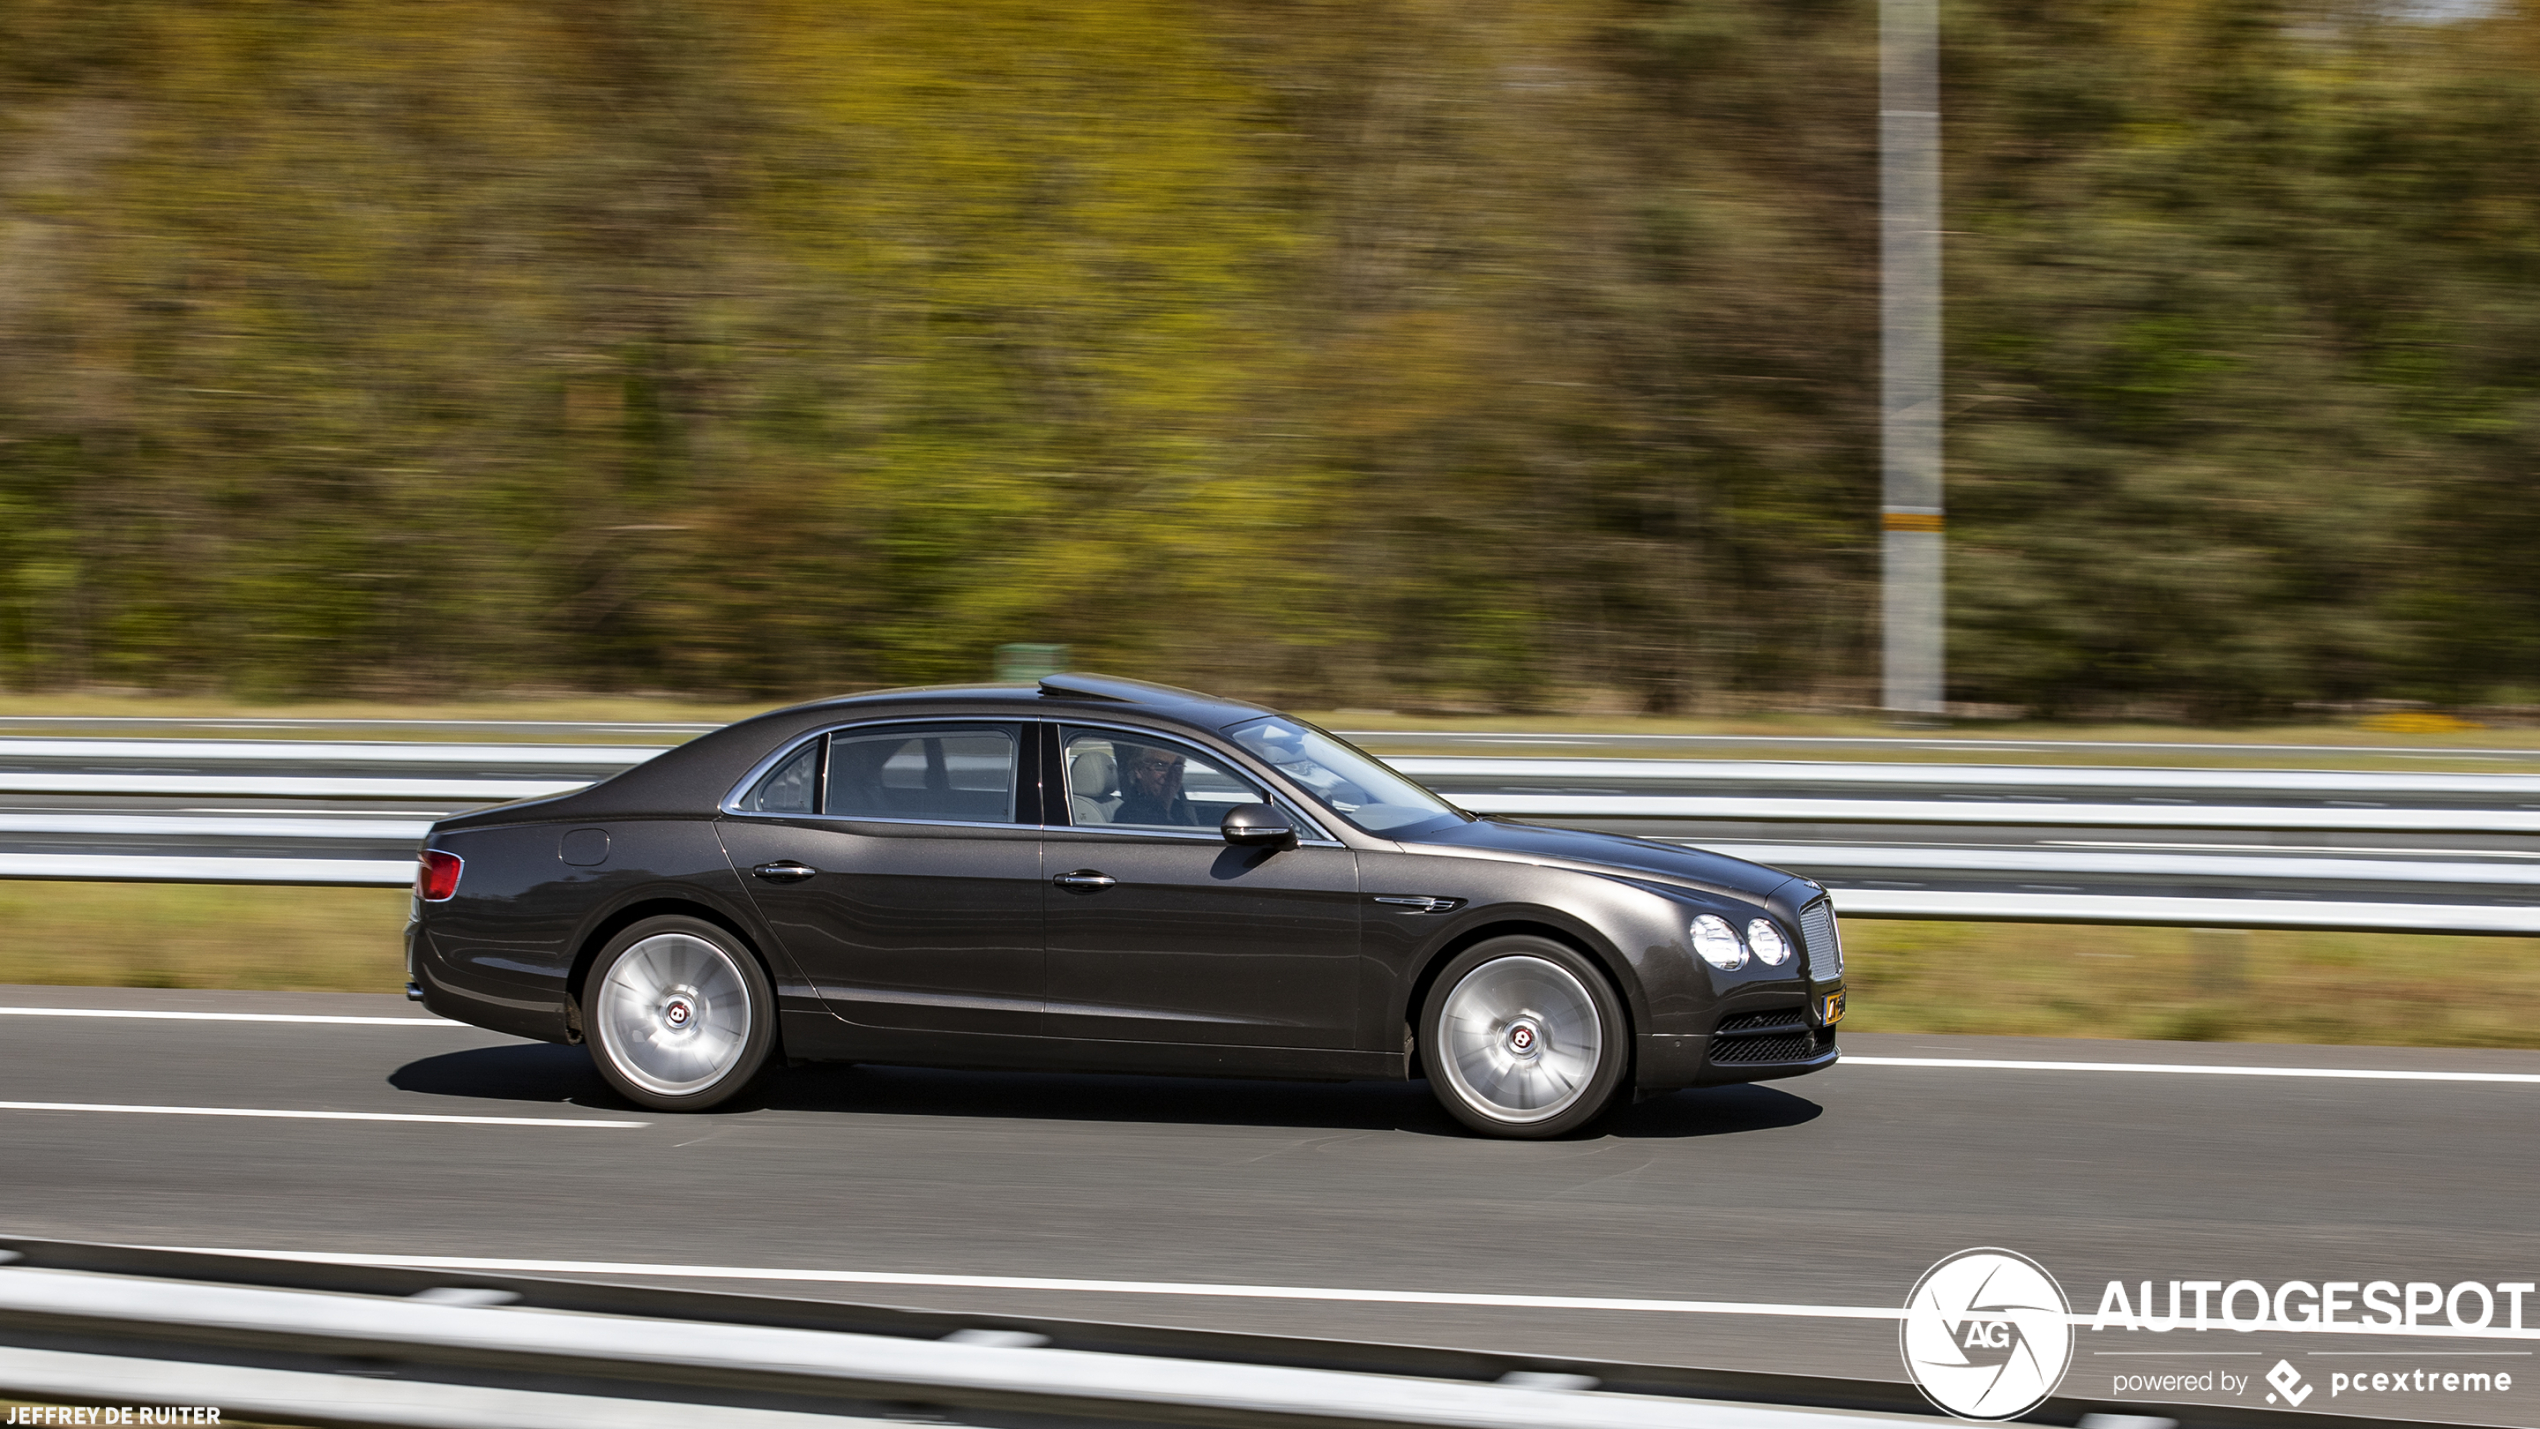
1987, 1334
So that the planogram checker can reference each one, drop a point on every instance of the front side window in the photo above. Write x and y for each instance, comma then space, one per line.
1115, 778
1354, 785
949, 773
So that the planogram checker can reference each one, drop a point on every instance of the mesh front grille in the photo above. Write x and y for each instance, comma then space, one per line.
1825, 943
1764, 1021
1782, 1047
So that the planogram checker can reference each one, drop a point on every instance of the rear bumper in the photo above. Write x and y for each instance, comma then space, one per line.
448, 992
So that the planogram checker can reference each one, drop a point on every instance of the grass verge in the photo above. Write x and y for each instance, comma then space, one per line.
2190, 984
203, 935
2029, 979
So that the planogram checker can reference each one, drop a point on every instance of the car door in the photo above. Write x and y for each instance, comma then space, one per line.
1161, 931
900, 865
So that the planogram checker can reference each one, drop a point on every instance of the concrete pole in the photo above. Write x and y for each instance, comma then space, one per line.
1909, 353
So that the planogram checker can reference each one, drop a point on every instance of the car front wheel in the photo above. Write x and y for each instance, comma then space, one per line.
679, 1016
1523, 1037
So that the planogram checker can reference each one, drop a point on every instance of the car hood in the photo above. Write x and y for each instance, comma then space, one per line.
1610, 853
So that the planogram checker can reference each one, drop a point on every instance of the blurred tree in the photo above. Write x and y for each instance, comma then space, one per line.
1335, 350
2243, 352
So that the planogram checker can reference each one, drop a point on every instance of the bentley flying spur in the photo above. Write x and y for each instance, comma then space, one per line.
1107, 875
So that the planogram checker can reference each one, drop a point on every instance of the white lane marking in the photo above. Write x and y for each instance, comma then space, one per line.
229, 1016
2191, 1069
493, 1265
288, 1115
503, 1265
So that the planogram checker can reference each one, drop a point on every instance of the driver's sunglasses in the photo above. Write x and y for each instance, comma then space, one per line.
1155, 764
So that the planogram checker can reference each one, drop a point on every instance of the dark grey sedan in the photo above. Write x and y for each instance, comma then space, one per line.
1107, 875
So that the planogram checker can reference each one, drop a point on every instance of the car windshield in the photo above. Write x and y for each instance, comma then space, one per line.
1354, 785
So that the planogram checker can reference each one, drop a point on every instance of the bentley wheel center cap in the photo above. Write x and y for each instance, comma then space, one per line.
677, 1012
1523, 1039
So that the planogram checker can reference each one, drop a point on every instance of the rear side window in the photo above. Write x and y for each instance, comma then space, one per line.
959, 774
788, 789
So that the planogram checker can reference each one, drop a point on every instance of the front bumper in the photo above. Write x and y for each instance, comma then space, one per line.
1665, 1063
1748, 1044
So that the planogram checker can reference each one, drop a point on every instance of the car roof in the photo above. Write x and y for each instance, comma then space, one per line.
1092, 692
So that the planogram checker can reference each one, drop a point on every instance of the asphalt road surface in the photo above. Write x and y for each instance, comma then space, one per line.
1735, 1216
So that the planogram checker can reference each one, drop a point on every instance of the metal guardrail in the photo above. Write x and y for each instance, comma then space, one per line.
270, 1337
1871, 743
962, 1373
251, 724
2000, 780
1391, 738
209, 868
1961, 841
448, 1351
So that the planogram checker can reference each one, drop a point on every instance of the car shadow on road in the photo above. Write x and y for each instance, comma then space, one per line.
540, 1073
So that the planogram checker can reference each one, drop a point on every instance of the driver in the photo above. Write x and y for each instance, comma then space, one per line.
1151, 788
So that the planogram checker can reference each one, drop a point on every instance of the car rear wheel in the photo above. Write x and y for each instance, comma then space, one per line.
678, 1015
1523, 1037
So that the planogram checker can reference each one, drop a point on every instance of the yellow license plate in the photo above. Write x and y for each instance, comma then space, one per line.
1832, 1012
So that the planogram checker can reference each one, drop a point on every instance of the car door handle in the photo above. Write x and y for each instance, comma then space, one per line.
1084, 878
784, 871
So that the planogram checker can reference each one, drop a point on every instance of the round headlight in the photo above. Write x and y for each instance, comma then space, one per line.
1767, 942
1717, 942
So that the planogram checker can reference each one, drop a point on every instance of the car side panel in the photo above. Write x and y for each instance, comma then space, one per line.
495, 954
1605, 916
1203, 942
503, 952
1641, 933
907, 926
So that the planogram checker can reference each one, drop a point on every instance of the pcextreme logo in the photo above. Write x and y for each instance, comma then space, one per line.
1987, 1334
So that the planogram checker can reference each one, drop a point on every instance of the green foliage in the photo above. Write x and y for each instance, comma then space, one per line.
2244, 329
1319, 348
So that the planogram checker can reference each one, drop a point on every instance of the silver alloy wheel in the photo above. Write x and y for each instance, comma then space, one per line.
674, 1014
1521, 1040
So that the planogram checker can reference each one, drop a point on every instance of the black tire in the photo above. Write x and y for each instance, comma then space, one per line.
678, 1014
1524, 1037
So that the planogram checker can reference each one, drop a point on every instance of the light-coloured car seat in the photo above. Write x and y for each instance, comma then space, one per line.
1093, 785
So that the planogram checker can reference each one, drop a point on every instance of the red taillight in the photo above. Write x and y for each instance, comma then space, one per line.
437, 876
